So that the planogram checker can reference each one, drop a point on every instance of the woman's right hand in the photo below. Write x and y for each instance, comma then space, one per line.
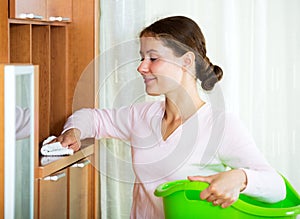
70, 139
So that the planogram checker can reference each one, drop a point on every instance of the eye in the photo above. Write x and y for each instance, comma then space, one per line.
153, 59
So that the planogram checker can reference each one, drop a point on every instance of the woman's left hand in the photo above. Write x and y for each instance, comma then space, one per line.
224, 188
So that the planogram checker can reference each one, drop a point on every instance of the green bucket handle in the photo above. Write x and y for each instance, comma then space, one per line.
168, 188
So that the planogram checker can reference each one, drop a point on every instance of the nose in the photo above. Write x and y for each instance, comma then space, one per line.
143, 68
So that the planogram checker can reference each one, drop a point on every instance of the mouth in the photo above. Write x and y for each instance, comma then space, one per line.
148, 79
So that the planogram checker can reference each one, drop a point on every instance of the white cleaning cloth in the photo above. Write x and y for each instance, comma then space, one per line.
54, 149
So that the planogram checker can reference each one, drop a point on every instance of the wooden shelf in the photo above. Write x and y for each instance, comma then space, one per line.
36, 22
59, 162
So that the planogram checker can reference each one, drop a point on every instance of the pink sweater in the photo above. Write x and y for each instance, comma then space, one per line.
207, 143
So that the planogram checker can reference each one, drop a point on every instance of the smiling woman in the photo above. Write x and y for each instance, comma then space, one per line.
160, 68
255, 43
182, 136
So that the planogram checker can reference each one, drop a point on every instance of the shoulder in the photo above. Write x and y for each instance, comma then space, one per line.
136, 108
150, 108
214, 115
222, 117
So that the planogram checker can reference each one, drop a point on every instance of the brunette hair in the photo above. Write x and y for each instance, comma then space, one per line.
182, 34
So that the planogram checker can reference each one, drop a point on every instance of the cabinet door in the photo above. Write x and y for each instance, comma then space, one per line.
35, 9
53, 196
81, 183
19, 140
59, 10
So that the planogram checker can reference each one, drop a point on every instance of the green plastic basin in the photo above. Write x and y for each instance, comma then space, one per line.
181, 199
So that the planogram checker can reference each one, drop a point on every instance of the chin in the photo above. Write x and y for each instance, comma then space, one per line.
151, 93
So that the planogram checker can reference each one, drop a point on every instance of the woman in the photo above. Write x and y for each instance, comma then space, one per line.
182, 136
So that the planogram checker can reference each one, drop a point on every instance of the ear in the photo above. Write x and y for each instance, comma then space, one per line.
188, 60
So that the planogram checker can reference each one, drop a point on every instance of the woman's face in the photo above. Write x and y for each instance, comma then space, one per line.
160, 68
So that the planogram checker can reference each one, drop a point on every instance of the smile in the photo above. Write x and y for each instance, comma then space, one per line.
147, 80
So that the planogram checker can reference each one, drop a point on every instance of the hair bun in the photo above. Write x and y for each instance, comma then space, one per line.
218, 72
209, 83
214, 76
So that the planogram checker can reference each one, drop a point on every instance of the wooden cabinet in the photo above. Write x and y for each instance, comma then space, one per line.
44, 45
53, 196
72, 197
62, 50
74, 186
81, 182
35, 9
59, 10
46, 10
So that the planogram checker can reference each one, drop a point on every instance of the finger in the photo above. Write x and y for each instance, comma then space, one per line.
200, 178
68, 141
59, 139
228, 202
217, 202
205, 194
53, 141
211, 198
75, 146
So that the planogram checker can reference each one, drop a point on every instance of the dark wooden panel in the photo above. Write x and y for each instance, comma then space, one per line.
20, 43
41, 57
58, 79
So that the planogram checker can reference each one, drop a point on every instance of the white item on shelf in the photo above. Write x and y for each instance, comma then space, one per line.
54, 149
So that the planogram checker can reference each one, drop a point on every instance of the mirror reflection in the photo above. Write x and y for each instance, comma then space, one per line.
23, 153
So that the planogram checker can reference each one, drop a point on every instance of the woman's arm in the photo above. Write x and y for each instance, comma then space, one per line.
239, 151
250, 173
95, 123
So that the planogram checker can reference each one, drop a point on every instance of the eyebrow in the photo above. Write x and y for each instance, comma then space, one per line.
149, 51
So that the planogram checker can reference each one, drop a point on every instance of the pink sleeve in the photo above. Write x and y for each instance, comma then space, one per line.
238, 150
101, 123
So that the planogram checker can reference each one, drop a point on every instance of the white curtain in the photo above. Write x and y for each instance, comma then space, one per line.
256, 42
119, 85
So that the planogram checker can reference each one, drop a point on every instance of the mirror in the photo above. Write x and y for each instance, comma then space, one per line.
19, 138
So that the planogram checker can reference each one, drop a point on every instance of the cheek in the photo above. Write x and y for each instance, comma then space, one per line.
166, 69
171, 79
157, 67
173, 72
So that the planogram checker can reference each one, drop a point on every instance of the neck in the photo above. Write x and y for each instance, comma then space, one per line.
182, 105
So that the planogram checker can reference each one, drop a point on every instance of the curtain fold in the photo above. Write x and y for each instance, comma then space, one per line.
255, 42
